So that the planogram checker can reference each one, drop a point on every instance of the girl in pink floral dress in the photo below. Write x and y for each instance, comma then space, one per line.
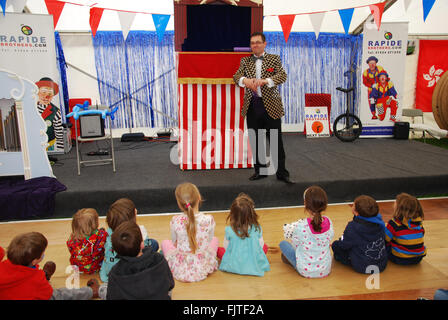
191, 254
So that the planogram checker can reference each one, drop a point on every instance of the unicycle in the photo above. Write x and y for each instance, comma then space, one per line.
347, 127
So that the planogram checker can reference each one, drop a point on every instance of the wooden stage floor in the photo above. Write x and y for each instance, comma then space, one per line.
282, 282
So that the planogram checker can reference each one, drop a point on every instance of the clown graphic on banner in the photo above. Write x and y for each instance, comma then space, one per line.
50, 113
28, 49
384, 53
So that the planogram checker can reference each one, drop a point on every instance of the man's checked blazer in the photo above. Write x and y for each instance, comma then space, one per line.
271, 67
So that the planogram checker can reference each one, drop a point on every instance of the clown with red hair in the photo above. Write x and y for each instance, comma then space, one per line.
50, 113
384, 96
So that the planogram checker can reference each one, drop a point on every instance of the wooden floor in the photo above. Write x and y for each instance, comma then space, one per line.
282, 282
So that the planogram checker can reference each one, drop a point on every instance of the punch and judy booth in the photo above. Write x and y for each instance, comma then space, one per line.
210, 39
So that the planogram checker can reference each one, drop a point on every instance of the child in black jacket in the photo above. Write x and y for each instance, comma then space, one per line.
141, 273
362, 245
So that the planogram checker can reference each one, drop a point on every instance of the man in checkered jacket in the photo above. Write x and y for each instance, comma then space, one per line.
260, 74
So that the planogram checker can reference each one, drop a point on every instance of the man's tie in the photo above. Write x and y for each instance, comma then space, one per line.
254, 58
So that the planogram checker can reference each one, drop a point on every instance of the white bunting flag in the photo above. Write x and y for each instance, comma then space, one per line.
126, 20
316, 21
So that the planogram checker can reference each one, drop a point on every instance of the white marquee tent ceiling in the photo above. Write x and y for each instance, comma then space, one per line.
76, 17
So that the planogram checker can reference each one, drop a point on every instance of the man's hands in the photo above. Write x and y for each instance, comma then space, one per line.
253, 84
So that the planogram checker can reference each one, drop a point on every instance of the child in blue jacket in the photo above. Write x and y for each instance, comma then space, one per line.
362, 245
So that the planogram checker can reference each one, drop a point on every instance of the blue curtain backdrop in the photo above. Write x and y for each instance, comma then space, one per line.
62, 66
139, 75
314, 66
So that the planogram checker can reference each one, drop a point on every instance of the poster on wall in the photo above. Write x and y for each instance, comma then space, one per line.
316, 122
382, 85
27, 48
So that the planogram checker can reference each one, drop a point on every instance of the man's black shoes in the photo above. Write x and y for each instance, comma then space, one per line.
285, 179
257, 176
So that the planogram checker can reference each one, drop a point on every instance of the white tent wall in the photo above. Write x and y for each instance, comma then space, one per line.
78, 51
74, 30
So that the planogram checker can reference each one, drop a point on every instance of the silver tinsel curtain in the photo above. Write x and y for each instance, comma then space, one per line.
139, 75
315, 66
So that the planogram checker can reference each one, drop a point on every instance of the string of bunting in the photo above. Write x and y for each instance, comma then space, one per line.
126, 18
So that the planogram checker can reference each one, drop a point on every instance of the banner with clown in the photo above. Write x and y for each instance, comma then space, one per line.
382, 85
27, 47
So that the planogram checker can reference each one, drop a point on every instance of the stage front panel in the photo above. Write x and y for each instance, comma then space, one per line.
212, 133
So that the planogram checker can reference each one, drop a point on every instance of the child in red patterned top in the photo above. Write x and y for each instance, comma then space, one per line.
86, 243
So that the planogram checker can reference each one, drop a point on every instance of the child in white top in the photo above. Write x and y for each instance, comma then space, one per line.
310, 252
191, 252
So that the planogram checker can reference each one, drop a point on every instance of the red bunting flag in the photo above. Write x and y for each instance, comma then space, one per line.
377, 12
432, 64
286, 20
95, 17
54, 8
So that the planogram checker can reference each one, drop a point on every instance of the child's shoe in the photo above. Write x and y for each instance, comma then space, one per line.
286, 261
93, 283
49, 269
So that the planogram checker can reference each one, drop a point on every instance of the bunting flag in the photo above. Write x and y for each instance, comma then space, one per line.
95, 17
316, 21
126, 20
346, 18
427, 6
160, 22
406, 5
377, 12
286, 22
54, 8
3, 4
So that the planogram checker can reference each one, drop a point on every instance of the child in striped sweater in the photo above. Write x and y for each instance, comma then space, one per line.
404, 233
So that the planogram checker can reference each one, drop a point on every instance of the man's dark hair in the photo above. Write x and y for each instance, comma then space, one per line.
126, 239
261, 34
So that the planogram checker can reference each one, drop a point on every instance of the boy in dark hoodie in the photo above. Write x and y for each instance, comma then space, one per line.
363, 242
141, 273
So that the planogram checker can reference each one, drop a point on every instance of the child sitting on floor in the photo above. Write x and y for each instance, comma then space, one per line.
121, 211
362, 245
404, 233
244, 250
86, 243
141, 273
191, 254
310, 252
22, 279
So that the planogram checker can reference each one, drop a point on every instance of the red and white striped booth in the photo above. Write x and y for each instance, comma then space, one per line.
212, 133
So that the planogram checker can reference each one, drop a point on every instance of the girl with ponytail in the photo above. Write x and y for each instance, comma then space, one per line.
307, 244
191, 252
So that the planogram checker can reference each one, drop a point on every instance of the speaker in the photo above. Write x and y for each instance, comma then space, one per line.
127, 137
401, 130
91, 126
